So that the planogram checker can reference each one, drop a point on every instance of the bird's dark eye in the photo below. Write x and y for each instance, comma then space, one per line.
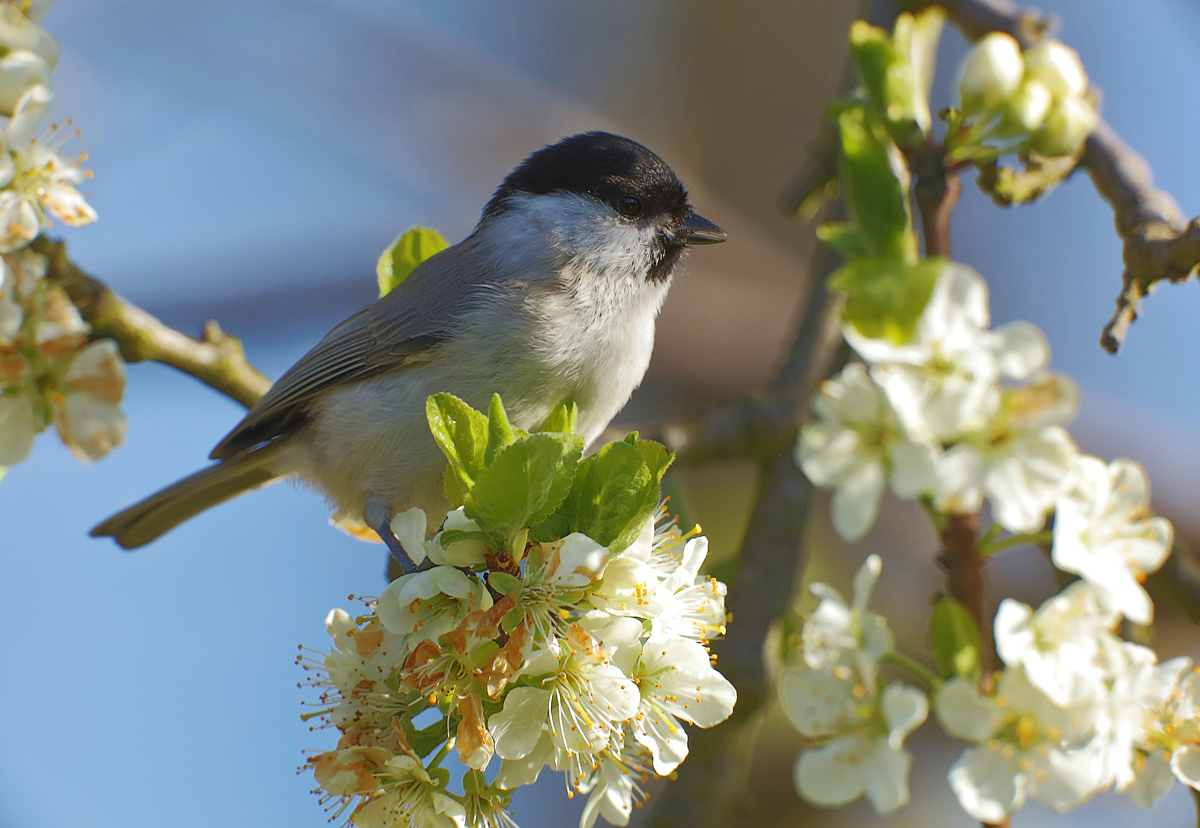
629, 207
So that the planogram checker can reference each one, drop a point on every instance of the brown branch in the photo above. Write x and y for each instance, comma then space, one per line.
936, 189
217, 359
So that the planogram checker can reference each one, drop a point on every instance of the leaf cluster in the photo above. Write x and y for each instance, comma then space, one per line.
537, 486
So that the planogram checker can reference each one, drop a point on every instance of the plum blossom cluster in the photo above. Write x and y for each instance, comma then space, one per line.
49, 372
958, 415
836, 698
933, 417
540, 648
1039, 100
1076, 710
37, 182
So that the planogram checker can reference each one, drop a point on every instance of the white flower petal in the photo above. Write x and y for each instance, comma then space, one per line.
904, 708
409, 529
856, 501
963, 712
988, 786
887, 773
834, 774
1020, 349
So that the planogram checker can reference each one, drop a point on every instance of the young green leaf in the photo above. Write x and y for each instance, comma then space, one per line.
462, 434
609, 492
885, 298
403, 255
954, 640
525, 483
428, 739
562, 419
845, 238
875, 184
500, 433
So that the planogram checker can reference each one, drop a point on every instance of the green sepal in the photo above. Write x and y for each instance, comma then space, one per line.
450, 536
512, 619
462, 434
504, 583
562, 419
500, 433
428, 739
403, 255
954, 640
482, 654
885, 298
524, 484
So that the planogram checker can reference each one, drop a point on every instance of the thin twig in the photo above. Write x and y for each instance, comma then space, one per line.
217, 359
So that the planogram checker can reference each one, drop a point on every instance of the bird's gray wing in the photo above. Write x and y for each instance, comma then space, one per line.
387, 335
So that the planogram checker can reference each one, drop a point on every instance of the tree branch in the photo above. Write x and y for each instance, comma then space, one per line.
217, 359
1158, 242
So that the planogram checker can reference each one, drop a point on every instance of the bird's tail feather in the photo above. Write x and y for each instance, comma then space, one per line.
164, 510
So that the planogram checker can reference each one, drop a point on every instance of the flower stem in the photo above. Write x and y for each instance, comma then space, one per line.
913, 667
441, 754
989, 547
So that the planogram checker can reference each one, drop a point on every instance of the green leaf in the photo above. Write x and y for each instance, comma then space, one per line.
500, 433
885, 299
450, 536
525, 483
462, 434
874, 188
562, 419
614, 493
845, 238
403, 255
954, 640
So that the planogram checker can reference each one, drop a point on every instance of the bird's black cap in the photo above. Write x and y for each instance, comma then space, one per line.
601, 165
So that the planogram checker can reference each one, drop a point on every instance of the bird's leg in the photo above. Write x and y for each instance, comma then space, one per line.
376, 515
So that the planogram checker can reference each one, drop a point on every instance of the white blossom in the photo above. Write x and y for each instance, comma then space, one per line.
1137, 685
990, 72
1020, 460
1170, 745
945, 382
866, 730
856, 445
837, 632
1103, 532
1060, 645
1025, 745
676, 681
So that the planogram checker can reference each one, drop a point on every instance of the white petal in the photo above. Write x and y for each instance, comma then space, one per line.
1185, 764
856, 501
865, 580
817, 703
960, 480
21, 129
887, 778
914, 468
904, 708
1153, 779
834, 774
1020, 349
963, 712
409, 529
1064, 779
580, 561
517, 728
988, 786
19, 224
89, 426
17, 429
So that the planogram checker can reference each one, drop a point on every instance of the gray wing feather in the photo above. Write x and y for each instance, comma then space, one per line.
382, 337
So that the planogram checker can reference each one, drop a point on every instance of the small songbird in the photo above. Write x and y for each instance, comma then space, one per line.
551, 299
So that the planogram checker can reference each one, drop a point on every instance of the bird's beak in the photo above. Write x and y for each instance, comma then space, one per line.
699, 230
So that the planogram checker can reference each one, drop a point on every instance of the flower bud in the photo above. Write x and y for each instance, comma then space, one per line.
1058, 67
990, 73
1026, 110
1070, 121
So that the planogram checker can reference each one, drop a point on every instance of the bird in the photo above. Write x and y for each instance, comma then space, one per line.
552, 299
